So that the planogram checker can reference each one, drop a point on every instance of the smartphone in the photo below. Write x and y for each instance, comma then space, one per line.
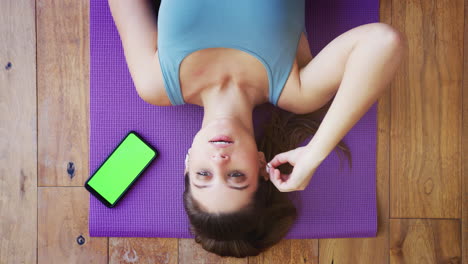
113, 179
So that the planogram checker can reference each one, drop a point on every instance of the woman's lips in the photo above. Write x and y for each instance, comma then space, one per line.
220, 144
221, 141
222, 138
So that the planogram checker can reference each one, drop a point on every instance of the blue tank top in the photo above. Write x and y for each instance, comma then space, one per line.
269, 30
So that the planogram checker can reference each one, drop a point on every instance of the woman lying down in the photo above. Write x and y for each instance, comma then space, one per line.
228, 57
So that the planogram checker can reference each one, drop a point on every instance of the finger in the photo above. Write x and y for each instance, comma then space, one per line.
288, 188
275, 176
282, 185
293, 182
271, 174
277, 180
280, 159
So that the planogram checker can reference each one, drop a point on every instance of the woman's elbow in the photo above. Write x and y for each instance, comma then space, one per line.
390, 38
151, 92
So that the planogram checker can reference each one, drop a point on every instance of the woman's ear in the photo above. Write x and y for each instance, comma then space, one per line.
186, 160
263, 173
261, 157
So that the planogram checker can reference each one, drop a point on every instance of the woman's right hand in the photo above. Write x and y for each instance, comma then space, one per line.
304, 168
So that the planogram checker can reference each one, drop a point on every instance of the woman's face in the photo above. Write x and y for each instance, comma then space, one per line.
224, 165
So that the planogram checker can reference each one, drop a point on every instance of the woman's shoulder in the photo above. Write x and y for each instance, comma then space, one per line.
150, 84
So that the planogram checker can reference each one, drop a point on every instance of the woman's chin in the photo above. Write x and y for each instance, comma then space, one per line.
222, 123
219, 128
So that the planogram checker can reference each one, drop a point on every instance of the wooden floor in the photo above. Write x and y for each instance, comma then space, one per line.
422, 180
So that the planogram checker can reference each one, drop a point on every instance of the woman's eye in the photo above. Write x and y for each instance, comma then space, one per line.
202, 173
237, 174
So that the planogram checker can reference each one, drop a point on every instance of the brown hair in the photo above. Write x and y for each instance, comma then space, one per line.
270, 214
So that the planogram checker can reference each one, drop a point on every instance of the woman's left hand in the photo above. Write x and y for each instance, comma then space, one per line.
304, 168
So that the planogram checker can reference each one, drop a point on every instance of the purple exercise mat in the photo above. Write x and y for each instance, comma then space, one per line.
337, 203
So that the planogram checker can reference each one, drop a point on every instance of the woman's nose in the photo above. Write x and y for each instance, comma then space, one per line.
220, 157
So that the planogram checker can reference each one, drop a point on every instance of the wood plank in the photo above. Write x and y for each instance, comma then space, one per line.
465, 146
143, 250
63, 87
18, 133
289, 251
374, 249
62, 226
192, 253
425, 241
426, 111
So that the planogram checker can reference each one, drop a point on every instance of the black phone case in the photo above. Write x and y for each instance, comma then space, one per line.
129, 187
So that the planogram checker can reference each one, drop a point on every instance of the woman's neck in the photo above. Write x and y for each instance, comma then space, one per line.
227, 102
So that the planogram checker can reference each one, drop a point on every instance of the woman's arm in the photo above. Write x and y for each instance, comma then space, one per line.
136, 22
367, 70
357, 66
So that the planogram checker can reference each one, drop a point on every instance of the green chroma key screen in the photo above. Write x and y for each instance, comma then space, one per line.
122, 167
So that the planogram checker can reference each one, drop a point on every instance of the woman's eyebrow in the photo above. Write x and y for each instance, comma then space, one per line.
232, 187
234, 171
